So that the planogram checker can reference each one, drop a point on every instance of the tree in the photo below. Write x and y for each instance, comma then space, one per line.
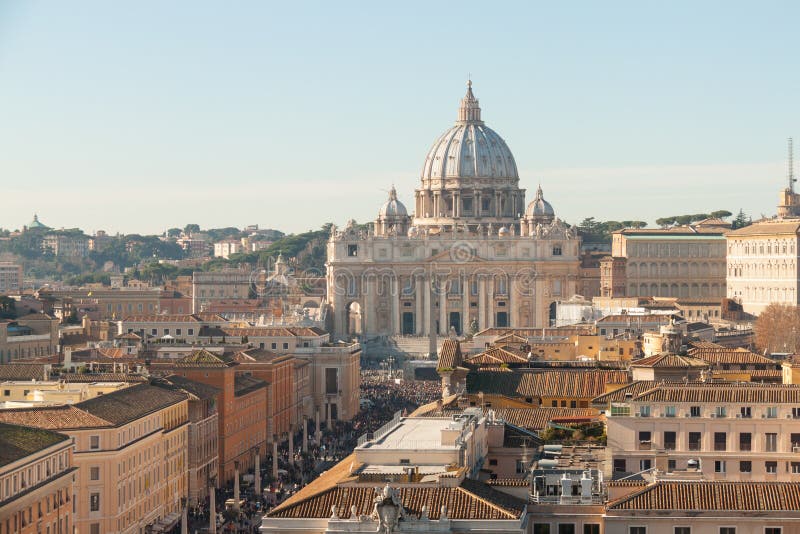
191, 228
665, 221
778, 329
741, 220
720, 214
174, 232
8, 308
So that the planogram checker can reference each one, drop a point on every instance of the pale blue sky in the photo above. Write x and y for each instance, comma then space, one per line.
141, 115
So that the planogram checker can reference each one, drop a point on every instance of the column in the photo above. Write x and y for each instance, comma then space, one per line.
370, 306
418, 301
257, 475
275, 456
511, 310
456, 204
490, 304
305, 434
212, 509
236, 485
443, 329
435, 204
465, 307
291, 444
481, 302
318, 435
427, 306
328, 415
478, 210
395, 296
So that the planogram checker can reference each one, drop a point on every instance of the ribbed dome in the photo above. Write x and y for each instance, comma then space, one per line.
539, 207
393, 207
470, 148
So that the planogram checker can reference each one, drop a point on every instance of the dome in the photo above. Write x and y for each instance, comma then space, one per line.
470, 149
539, 207
35, 223
393, 207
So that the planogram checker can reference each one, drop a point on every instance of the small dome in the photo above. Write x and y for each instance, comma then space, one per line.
539, 207
393, 207
35, 223
503, 232
413, 231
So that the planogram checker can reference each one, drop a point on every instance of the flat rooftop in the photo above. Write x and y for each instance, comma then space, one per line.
415, 433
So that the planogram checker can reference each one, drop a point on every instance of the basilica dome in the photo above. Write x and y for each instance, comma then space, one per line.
393, 207
469, 149
539, 208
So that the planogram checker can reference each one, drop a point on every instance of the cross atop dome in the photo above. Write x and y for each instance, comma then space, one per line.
469, 111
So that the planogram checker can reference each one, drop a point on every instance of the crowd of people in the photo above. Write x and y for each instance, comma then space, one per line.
382, 395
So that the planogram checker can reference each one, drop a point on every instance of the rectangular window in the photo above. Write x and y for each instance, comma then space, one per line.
796, 412
746, 412
727, 530
94, 473
669, 440
556, 251
671, 465
541, 528
94, 502
771, 442
566, 528
645, 440
721, 411
796, 468
682, 530
745, 441
745, 466
772, 530
94, 442
644, 411
669, 411
591, 528
94, 528
720, 441
694, 411
637, 530
191, 331
772, 412
719, 466
620, 465
331, 381
694, 441
352, 250
285, 346
520, 467
771, 467
644, 465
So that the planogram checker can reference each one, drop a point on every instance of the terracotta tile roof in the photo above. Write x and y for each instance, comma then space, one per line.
497, 356
201, 358
175, 318
768, 228
636, 319
713, 353
126, 405
670, 361
53, 418
621, 393
538, 418
562, 383
24, 371
198, 389
274, 331
243, 384
17, 442
256, 355
510, 338
713, 496
723, 392
325, 482
470, 500
102, 377
450, 355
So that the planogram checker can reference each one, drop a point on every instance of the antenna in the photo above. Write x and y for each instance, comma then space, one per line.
792, 179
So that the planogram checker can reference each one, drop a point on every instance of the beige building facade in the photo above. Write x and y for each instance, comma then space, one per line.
763, 264
683, 261
471, 256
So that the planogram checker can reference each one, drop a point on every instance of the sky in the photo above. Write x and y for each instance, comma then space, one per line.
137, 116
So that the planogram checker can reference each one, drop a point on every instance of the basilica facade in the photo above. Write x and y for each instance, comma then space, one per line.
471, 255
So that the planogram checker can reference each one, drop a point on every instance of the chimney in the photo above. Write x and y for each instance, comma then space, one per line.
586, 488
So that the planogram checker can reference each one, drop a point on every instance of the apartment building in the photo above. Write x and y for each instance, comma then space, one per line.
29, 337
10, 278
723, 431
37, 481
130, 451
